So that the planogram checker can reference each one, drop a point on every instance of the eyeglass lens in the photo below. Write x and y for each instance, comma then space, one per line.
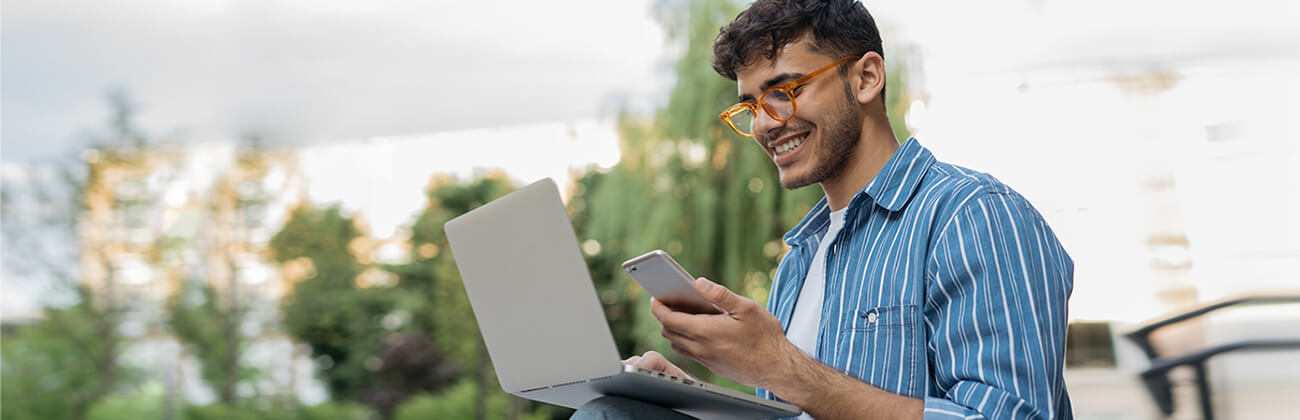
777, 105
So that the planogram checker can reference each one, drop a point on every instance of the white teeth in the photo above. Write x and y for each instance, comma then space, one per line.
788, 146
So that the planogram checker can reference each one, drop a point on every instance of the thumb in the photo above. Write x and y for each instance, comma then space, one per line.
719, 295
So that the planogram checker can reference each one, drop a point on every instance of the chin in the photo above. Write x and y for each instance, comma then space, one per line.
793, 181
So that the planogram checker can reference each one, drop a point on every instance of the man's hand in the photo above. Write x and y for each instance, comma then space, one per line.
746, 345
654, 361
749, 346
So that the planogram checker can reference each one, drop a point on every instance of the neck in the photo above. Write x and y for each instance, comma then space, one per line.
875, 146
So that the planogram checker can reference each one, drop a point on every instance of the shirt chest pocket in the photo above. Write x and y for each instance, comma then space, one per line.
883, 346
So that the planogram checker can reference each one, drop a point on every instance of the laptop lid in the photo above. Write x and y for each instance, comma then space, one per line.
530, 290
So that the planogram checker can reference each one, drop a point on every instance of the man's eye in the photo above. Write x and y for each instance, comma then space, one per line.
797, 90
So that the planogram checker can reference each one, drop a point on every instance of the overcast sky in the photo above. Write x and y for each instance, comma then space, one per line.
308, 71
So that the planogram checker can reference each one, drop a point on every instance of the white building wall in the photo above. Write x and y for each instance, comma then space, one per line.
1160, 139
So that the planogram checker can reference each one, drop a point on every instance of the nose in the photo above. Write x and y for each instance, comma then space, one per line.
765, 127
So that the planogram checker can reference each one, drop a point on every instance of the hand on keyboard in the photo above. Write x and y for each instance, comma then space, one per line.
657, 362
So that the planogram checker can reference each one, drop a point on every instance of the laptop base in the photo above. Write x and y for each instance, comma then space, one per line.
683, 395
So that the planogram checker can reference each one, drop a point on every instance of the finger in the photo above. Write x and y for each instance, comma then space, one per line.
631, 360
668, 317
653, 361
719, 295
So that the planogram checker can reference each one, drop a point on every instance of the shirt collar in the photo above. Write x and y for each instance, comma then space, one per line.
891, 189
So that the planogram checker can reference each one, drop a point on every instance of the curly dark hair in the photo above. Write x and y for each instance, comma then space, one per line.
839, 27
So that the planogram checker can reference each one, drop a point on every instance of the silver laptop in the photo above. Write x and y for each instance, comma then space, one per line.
543, 325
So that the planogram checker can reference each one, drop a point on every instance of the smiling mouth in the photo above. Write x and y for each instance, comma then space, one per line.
789, 145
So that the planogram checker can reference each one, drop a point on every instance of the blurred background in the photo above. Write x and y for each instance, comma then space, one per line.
233, 209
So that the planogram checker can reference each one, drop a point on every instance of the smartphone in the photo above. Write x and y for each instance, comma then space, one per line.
668, 282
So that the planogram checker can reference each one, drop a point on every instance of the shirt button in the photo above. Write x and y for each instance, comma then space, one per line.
871, 317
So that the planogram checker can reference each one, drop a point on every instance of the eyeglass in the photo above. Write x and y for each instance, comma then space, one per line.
778, 102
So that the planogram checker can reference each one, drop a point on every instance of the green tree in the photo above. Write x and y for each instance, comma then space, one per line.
277, 409
431, 274
64, 363
60, 366
326, 310
148, 402
362, 337
207, 313
432, 278
459, 402
210, 328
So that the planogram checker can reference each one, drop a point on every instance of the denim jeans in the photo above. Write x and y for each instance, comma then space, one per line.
618, 408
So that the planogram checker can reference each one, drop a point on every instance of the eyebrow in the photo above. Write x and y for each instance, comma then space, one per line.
775, 80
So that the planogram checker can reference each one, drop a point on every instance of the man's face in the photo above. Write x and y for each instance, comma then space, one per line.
816, 143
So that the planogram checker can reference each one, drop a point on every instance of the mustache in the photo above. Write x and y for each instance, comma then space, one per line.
767, 139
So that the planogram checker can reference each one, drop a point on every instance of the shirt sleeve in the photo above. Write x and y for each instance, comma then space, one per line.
998, 282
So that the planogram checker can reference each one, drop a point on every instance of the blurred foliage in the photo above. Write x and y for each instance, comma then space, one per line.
63, 363
431, 276
382, 343
145, 403
59, 366
432, 279
354, 328
277, 410
332, 411
210, 329
326, 310
458, 402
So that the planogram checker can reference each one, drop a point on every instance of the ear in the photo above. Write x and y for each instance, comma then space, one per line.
870, 78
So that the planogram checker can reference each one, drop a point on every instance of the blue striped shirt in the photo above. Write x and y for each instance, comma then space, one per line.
944, 285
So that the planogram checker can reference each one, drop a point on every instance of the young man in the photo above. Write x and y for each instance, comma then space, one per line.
916, 288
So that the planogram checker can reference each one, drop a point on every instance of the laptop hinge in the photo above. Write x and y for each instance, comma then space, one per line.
565, 384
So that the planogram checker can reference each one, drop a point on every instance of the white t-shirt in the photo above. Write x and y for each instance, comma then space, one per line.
807, 317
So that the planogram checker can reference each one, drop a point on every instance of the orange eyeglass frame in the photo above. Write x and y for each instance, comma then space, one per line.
787, 89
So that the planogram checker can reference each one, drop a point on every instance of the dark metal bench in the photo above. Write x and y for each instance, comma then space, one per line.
1156, 376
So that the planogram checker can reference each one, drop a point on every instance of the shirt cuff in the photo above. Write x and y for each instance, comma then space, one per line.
941, 409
